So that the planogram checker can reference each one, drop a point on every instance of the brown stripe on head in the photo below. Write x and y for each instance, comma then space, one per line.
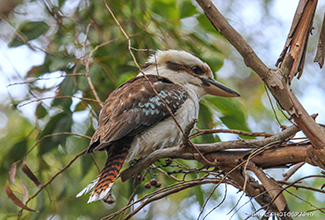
176, 66
193, 70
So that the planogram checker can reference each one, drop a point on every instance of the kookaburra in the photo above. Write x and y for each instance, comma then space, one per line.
135, 121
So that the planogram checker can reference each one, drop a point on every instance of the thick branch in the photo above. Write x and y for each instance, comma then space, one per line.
272, 158
307, 124
188, 153
252, 188
240, 144
271, 187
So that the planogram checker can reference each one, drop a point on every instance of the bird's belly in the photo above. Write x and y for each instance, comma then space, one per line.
165, 133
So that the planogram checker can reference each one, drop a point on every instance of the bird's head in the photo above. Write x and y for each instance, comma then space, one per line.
187, 70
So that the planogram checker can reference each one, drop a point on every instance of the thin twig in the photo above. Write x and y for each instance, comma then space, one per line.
167, 189
135, 190
256, 152
165, 173
297, 186
45, 78
87, 71
231, 131
58, 97
273, 109
54, 134
172, 191
201, 155
220, 203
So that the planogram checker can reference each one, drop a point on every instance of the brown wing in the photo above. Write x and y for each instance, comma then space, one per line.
133, 107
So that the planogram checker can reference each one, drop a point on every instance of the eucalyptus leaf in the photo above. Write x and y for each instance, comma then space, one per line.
29, 31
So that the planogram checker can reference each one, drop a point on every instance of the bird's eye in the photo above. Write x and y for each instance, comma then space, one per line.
196, 70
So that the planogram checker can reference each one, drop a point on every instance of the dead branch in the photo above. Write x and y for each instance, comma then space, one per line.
272, 187
320, 54
298, 38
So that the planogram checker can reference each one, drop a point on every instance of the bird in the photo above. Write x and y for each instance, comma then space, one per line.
135, 120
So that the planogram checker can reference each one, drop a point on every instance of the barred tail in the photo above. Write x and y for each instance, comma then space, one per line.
104, 181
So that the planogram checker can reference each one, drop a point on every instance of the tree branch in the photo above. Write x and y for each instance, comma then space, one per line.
189, 153
298, 38
320, 54
252, 189
271, 187
275, 157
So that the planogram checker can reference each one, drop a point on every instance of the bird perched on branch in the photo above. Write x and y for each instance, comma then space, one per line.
135, 119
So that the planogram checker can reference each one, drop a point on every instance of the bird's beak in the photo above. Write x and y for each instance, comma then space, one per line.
213, 87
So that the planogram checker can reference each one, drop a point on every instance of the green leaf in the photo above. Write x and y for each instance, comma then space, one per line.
81, 106
205, 23
86, 164
187, 9
60, 61
17, 151
166, 9
232, 114
215, 61
66, 89
62, 195
36, 71
83, 83
86, 12
29, 31
41, 112
61, 122
234, 123
205, 121
125, 77
199, 195
61, 2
